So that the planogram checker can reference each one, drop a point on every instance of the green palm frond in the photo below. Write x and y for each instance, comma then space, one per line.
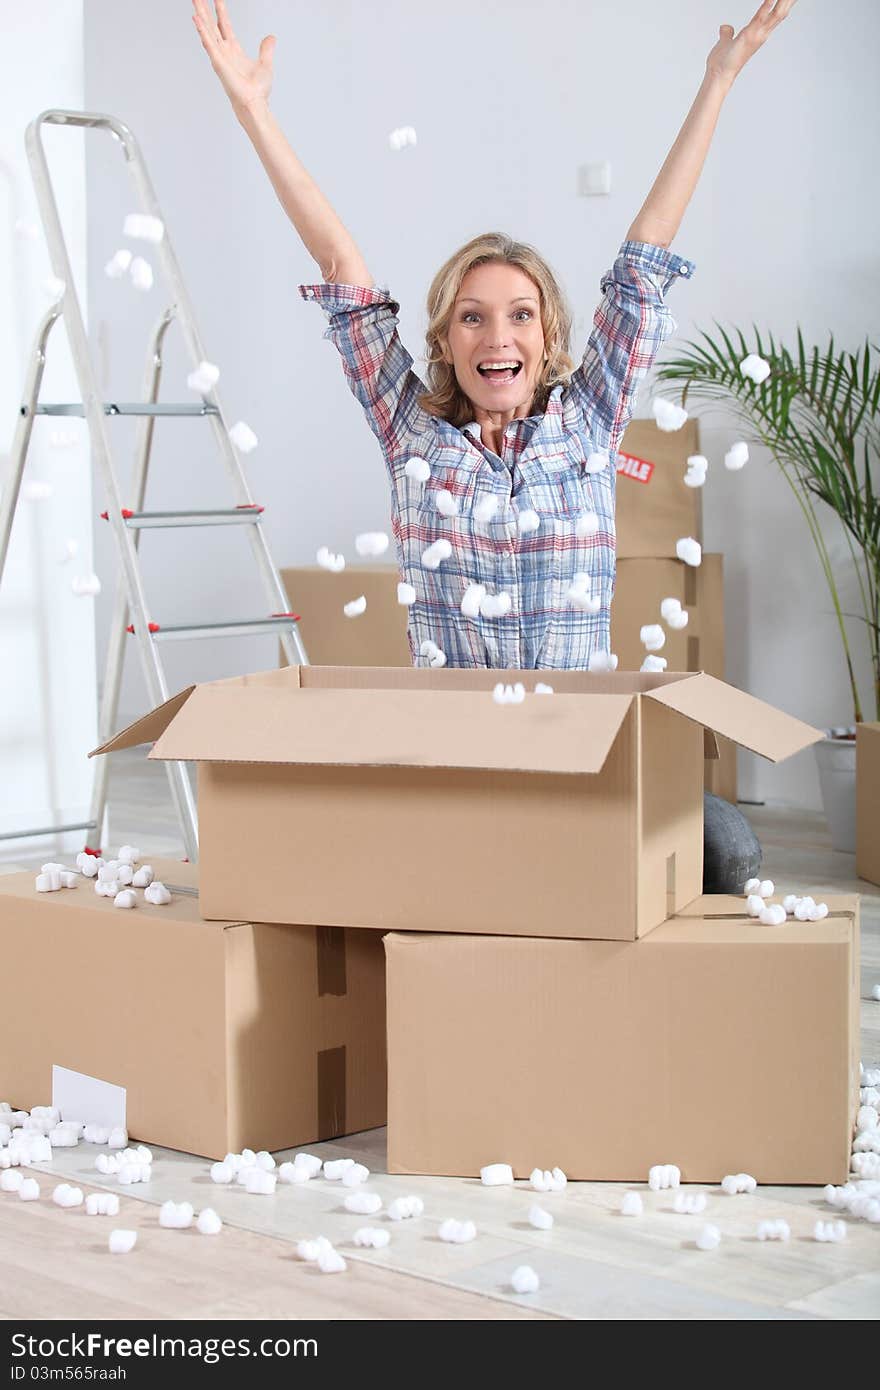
818, 414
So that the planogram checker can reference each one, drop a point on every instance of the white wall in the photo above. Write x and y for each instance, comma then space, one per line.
508, 99
47, 671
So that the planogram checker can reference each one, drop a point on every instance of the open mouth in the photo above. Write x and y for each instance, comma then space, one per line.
500, 375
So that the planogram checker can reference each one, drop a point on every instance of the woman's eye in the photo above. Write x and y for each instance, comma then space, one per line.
472, 315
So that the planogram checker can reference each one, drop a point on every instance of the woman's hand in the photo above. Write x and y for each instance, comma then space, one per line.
732, 52
245, 81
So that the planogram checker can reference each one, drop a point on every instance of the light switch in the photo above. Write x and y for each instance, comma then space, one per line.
594, 179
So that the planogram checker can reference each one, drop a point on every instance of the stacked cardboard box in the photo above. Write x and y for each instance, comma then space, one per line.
224, 1034
559, 993
606, 1057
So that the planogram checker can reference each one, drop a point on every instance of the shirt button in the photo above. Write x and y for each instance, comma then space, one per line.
310, 294
682, 269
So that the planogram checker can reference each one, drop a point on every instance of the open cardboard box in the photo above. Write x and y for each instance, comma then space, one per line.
224, 1034
693, 1046
379, 636
406, 799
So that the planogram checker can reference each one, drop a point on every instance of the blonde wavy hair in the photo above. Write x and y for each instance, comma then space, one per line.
444, 396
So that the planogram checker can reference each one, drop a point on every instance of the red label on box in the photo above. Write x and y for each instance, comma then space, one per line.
631, 466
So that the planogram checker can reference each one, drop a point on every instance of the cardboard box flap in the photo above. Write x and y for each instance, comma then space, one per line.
740, 717
148, 728
424, 728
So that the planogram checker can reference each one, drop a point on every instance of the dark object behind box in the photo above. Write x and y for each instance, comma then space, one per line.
692, 1046
225, 1035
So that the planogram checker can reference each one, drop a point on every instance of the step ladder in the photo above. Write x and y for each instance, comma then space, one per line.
131, 612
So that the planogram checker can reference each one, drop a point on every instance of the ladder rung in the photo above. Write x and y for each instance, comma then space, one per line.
246, 514
126, 408
244, 627
48, 830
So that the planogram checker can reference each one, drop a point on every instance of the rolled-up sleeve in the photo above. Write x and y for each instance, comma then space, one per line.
362, 324
630, 325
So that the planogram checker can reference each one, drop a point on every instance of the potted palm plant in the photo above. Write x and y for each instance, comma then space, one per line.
817, 411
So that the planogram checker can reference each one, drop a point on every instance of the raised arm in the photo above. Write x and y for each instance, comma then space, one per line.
660, 216
247, 84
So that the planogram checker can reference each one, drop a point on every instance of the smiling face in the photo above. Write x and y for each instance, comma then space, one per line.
496, 319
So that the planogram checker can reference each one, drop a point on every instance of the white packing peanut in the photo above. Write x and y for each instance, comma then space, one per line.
541, 688
417, 469
335, 1167
364, 1203
525, 1280
29, 1191
175, 1216
709, 1238
602, 661
328, 561
458, 1232
434, 555
540, 1219
356, 1173
205, 376
829, 1230
486, 509
208, 1222
157, 894
773, 1230
631, 1204
756, 368
371, 1236
754, 904
689, 550
652, 637
473, 597
122, 1242
331, 1262
653, 663
102, 1204
309, 1250
406, 595
371, 543
496, 1175
667, 415
446, 502
689, 1203
527, 521
767, 888
663, 1175
404, 1208
586, 525
733, 1183
772, 915
243, 437
141, 226
355, 607
259, 1182
66, 1196
737, 456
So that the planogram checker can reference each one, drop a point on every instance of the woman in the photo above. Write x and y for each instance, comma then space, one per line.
507, 535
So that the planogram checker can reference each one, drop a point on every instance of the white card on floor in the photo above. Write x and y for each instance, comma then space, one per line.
86, 1098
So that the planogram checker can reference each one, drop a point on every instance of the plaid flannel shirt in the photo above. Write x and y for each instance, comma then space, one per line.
545, 466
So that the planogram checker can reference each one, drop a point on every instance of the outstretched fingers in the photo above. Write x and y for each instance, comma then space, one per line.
223, 21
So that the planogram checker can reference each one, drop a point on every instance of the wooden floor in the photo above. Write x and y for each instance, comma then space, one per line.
593, 1264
